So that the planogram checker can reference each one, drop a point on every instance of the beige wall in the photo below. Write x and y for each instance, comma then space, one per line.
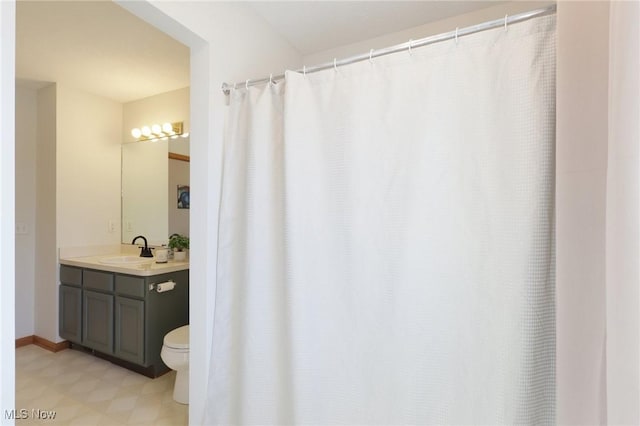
623, 216
46, 267
581, 155
165, 107
88, 168
25, 205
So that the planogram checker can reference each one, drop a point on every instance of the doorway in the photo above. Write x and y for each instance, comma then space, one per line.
50, 292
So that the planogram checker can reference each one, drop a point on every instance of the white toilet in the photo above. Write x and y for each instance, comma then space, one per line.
175, 353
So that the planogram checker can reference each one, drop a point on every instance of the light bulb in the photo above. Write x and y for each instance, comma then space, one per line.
174, 136
156, 129
136, 133
146, 131
167, 128
185, 135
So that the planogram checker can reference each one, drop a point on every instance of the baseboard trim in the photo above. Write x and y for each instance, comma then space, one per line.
24, 341
43, 343
49, 345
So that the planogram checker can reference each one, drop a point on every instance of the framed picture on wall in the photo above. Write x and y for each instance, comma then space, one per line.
183, 196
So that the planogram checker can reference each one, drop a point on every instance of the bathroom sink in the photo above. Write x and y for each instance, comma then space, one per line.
125, 260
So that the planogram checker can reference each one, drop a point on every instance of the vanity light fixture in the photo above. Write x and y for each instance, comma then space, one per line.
156, 132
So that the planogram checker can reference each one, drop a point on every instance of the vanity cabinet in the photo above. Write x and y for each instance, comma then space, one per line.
130, 318
122, 317
70, 313
97, 310
70, 304
129, 344
97, 321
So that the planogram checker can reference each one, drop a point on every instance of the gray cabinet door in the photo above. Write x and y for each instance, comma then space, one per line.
97, 321
129, 323
70, 321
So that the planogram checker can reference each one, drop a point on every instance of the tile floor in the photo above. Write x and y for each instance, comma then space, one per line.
85, 390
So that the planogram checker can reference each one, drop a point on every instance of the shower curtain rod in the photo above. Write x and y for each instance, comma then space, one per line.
411, 44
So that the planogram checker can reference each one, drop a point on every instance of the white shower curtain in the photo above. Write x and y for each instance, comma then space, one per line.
386, 240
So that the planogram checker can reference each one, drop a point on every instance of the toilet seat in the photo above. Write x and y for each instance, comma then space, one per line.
178, 338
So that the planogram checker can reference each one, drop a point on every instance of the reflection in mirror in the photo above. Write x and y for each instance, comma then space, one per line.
151, 175
178, 178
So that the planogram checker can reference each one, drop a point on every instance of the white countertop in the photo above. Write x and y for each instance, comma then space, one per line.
144, 270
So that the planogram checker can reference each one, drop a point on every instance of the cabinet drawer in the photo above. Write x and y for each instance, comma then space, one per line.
96, 280
130, 286
70, 275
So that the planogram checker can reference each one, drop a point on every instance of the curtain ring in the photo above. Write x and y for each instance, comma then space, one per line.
371, 56
335, 65
505, 22
304, 70
410, 43
271, 79
456, 35
246, 84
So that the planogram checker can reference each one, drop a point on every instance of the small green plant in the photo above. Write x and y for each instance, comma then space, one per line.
178, 242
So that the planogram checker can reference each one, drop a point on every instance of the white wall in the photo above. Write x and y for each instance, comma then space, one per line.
415, 33
581, 155
45, 312
88, 168
7, 181
25, 208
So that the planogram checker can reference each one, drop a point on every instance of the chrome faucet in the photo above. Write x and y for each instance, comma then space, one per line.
144, 251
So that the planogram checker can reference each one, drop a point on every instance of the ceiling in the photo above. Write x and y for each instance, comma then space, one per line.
98, 47
315, 26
